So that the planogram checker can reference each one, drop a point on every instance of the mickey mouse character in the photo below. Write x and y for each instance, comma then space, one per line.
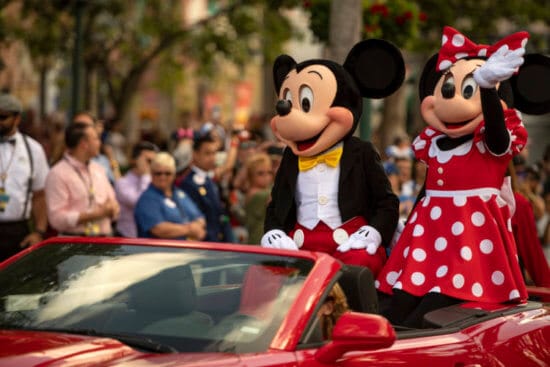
458, 243
331, 193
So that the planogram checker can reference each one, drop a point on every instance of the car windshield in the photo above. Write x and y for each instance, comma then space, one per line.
188, 300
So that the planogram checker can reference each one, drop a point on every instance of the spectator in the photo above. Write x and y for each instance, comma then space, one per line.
105, 157
260, 179
198, 183
129, 187
334, 306
23, 170
406, 192
79, 197
164, 211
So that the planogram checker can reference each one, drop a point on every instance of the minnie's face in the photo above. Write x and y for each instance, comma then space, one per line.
455, 107
312, 125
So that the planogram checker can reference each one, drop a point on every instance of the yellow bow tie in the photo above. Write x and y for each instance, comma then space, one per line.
331, 158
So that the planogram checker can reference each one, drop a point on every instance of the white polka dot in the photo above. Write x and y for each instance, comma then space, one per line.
445, 64
442, 271
435, 290
429, 131
497, 278
458, 40
418, 278
466, 253
413, 217
398, 285
440, 244
486, 246
461, 55
425, 201
391, 277
514, 294
419, 144
435, 213
444, 40
419, 255
482, 52
459, 200
481, 147
458, 281
478, 219
406, 252
376, 284
457, 228
418, 230
477, 290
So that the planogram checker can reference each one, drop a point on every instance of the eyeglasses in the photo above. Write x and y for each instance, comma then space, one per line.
5, 116
162, 173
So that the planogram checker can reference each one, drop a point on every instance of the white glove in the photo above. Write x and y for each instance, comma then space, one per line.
366, 237
278, 239
500, 66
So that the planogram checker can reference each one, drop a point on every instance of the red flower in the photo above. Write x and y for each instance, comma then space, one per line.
370, 28
379, 9
307, 4
408, 15
422, 16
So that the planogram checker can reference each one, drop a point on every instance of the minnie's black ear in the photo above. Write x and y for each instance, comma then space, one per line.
377, 67
282, 66
429, 78
531, 85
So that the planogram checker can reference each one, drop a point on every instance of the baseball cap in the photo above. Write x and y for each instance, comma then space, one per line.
9, 103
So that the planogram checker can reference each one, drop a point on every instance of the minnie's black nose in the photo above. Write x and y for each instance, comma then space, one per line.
283, 107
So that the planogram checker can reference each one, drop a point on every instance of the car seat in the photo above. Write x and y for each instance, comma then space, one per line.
357, 282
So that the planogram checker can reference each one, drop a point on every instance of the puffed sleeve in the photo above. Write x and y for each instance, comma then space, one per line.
421, 144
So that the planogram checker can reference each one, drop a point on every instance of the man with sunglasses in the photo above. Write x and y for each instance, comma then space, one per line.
129, 187
23, 170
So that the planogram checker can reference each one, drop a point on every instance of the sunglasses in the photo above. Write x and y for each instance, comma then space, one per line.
5, 116
162, 173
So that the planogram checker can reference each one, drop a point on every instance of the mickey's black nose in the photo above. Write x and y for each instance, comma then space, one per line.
283, 107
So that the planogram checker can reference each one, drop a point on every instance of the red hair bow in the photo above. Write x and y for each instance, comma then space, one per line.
455, 46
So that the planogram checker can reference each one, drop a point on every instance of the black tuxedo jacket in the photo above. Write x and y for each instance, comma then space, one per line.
363, 190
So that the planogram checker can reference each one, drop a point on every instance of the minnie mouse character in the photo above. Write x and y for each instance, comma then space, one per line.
458, 242
331, 193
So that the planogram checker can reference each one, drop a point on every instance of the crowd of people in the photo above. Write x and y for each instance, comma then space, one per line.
207, 183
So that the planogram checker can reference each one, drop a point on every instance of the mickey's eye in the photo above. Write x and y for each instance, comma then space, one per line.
469, 87
287, 95
448, 88
306, 98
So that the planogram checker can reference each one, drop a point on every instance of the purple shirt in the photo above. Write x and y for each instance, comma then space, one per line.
128, 189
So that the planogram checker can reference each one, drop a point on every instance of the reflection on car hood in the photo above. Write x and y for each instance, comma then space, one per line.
29, 348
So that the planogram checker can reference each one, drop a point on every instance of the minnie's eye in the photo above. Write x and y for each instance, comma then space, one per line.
469, 87
287, 95
306, 98
448, 88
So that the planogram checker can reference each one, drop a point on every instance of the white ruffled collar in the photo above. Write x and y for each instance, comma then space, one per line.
444, 156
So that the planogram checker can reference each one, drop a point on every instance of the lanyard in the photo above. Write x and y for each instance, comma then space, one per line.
90, 187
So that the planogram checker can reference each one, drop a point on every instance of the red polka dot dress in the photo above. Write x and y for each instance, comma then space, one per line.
458, 240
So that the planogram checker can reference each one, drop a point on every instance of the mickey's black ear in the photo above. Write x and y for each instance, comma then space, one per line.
377, 67
282, 66
531, 85
429, 78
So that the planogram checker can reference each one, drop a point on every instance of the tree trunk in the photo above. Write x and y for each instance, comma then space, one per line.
43, 93
393, 118
345, 27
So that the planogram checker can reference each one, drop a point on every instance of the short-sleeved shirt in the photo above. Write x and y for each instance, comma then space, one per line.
15, 163
153, 208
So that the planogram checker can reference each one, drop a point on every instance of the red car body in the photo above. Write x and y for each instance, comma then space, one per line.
465, 335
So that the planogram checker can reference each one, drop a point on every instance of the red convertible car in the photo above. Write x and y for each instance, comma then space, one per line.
135, 302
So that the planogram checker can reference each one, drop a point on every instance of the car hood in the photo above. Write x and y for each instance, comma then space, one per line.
45, 349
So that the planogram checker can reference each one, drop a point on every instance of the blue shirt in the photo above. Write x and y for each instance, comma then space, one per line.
153, 207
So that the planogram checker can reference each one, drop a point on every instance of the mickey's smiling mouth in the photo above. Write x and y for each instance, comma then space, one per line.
456, 125
306, 144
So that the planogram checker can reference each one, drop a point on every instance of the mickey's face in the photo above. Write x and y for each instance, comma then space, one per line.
455, 106
306, 122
